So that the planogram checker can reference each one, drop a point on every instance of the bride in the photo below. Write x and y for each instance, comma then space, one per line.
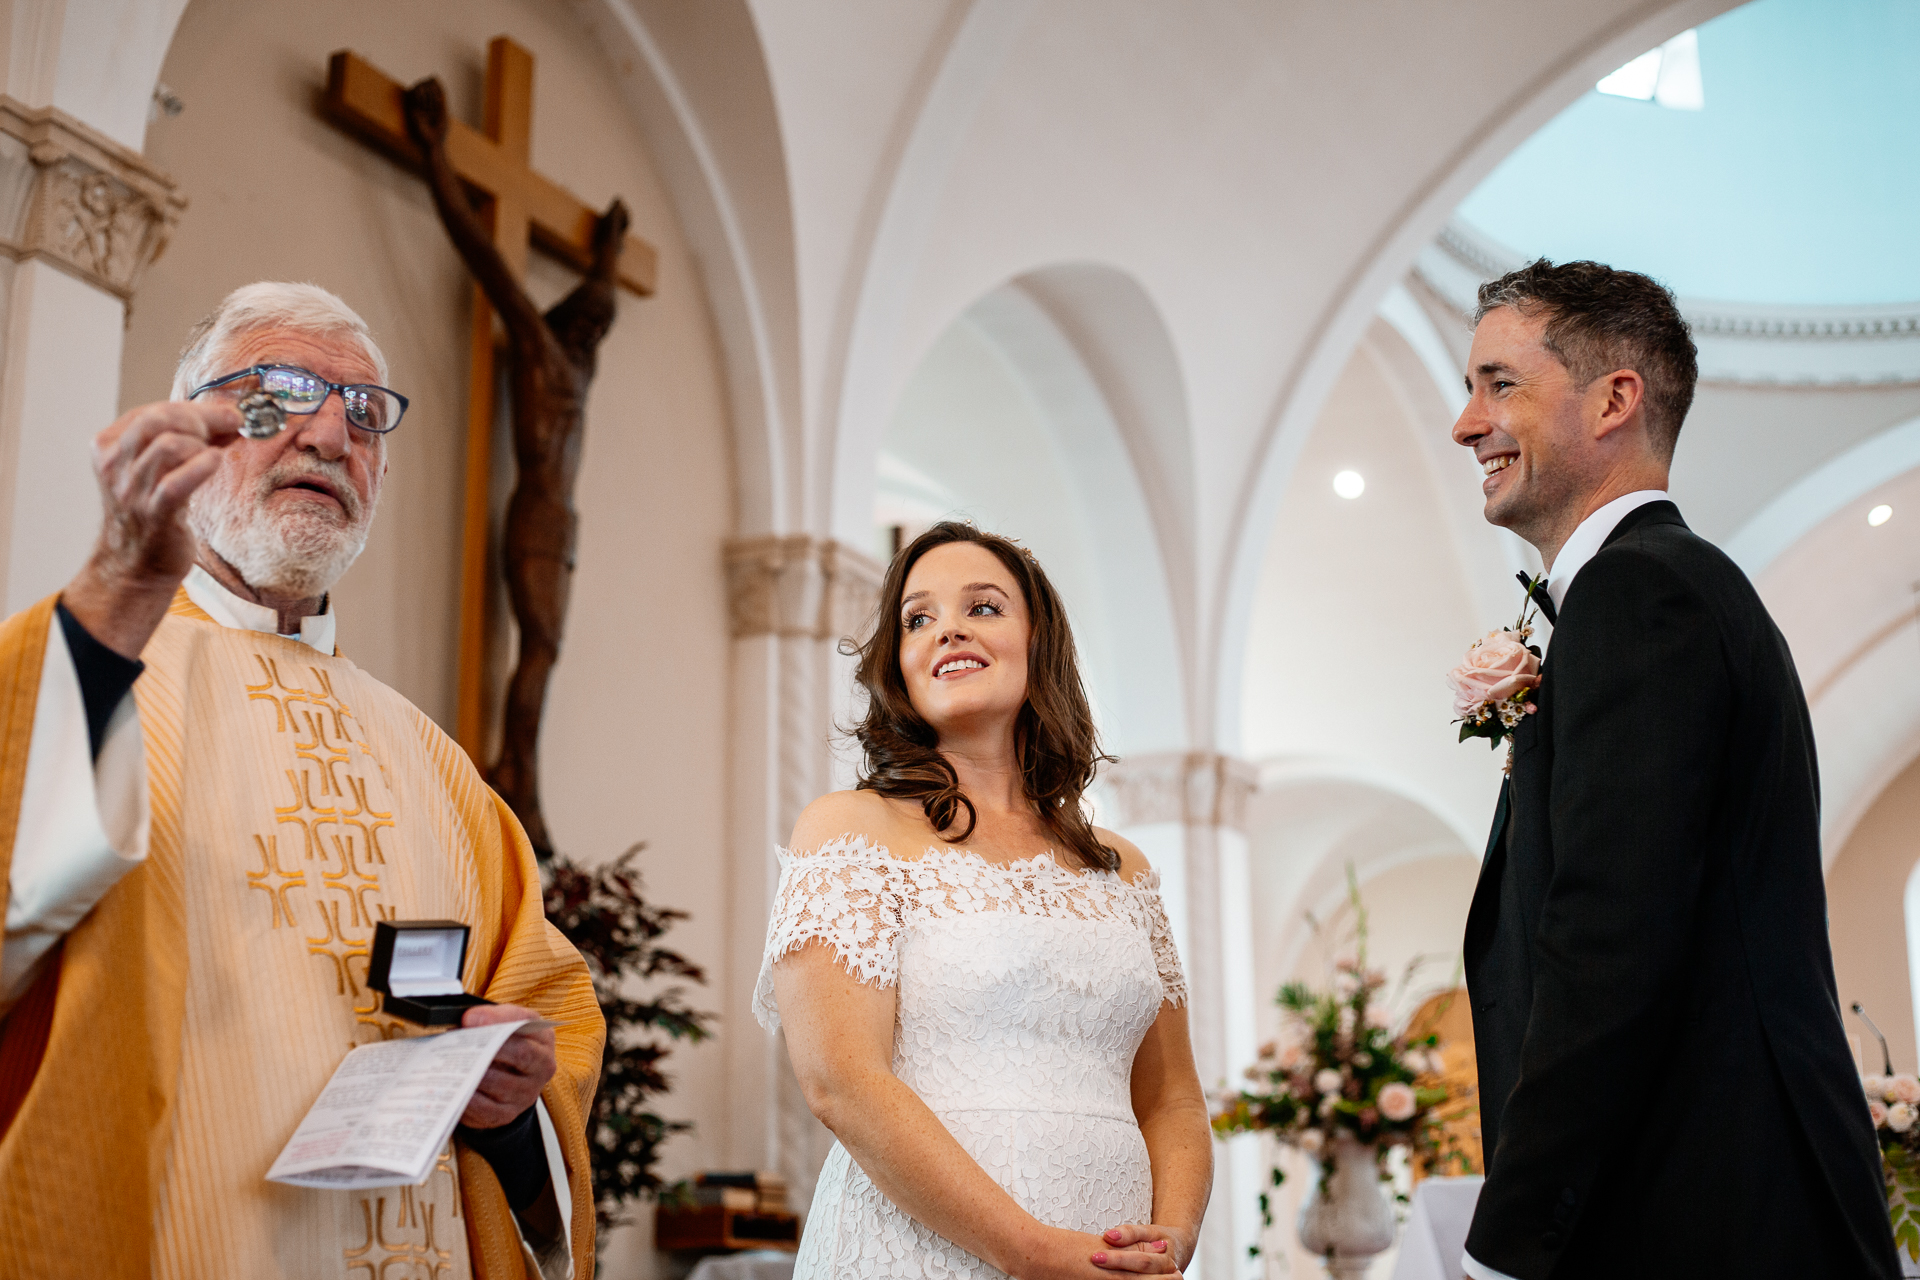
980, 994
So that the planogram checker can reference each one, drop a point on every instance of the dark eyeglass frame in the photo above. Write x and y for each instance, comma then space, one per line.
333, 388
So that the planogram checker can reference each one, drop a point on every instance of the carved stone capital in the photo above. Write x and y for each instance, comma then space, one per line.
1197, 788
74, 197
799, 585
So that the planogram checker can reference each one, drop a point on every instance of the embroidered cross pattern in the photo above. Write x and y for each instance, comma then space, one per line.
403, 1240
323, 857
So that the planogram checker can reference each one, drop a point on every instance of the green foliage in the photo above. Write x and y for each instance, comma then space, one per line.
604, 913
1902, 1170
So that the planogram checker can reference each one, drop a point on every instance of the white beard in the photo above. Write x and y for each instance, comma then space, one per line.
295, 554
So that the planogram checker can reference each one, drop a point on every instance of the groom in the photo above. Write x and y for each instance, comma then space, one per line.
1665, 1088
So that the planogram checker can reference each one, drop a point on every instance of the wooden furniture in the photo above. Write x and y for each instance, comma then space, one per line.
710, 1227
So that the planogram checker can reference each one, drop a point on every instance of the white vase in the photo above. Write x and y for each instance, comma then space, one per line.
1346, 1219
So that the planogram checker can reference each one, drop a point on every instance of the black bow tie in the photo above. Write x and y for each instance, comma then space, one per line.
1539, 595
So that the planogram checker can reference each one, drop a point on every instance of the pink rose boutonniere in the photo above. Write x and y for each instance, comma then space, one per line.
1493, 687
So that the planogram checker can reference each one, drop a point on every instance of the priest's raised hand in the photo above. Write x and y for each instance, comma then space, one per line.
149, 462
212, 809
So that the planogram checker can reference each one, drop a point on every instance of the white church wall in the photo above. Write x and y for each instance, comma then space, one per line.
1843, 595
95, 62
1869, 924
1361, 609
636, 744
970, 421
62, 353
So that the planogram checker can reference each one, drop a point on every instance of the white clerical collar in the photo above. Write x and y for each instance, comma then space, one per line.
1587, 540
229, 610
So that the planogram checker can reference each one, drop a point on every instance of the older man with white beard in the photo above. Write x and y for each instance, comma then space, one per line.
203, 811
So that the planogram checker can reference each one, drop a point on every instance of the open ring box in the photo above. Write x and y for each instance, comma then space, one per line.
416, 966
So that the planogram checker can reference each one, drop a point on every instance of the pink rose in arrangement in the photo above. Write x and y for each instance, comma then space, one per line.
1878, 1110
1397, 1102
1903, 1088
1497, 666
1291, 1056
1900, 1117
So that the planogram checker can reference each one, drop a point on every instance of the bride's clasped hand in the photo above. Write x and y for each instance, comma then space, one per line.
979, 988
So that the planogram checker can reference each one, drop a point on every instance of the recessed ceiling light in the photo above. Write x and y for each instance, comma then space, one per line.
1879, 515
1349, 484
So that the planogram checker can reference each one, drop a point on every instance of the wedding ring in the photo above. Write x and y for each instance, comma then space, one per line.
261, 416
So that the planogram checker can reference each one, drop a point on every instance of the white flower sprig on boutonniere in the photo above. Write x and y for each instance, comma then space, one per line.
1493, 688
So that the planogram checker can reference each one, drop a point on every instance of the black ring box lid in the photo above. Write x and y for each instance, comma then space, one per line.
424, 959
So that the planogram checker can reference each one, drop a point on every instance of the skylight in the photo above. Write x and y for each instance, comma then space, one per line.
1669, 75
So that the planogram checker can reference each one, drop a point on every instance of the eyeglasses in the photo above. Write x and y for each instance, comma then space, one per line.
299, 391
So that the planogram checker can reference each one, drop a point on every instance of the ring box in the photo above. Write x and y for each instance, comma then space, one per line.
416, 966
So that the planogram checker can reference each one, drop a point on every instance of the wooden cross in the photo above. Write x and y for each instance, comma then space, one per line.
519, 208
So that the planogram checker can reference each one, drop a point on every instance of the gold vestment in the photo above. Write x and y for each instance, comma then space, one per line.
151, 1076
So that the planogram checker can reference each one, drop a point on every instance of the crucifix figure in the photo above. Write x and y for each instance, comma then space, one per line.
520, 209
551, 361
495, 207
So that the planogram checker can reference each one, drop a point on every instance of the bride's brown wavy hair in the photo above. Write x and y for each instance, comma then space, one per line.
1054, 737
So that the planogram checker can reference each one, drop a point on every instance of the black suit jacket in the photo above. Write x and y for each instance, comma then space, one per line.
1665, 1087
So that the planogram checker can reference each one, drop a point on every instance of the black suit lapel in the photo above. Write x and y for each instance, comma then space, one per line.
1661, 512
1486, 894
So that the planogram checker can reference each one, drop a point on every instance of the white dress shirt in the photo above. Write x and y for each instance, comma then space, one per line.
1583, 546
1592, 534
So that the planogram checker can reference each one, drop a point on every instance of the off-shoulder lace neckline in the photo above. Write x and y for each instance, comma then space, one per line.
854, 844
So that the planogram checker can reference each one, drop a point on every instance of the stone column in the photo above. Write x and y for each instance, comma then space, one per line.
1187, 812
81, 217
792, 598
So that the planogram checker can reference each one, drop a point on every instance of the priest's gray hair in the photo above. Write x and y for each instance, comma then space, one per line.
269, 304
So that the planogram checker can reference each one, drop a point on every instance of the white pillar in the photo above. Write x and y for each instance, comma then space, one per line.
81, 216
1187, 812
791, 600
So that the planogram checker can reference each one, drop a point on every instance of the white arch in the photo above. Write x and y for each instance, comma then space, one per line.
864, 371
1354, 814
104, 66
1138, 606
1107, 402
1800, 508
679, 67
1304, 386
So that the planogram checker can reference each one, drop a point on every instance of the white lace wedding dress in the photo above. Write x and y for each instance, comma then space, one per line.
1024, 992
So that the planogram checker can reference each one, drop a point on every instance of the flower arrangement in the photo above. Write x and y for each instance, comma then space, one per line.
1493, 686
1339, 1070
1894, 1103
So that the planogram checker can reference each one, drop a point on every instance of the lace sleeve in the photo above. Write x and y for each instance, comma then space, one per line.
1166, 957
843, 895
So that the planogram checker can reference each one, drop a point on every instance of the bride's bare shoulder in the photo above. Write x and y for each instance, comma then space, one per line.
1133, 863
848, 813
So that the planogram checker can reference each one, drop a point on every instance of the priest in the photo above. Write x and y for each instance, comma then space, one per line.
204, 810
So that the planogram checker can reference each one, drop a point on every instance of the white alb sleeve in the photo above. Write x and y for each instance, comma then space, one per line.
1478, 1270
83, 821
552, 1260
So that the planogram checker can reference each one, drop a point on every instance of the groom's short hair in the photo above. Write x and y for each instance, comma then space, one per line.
1599, 320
